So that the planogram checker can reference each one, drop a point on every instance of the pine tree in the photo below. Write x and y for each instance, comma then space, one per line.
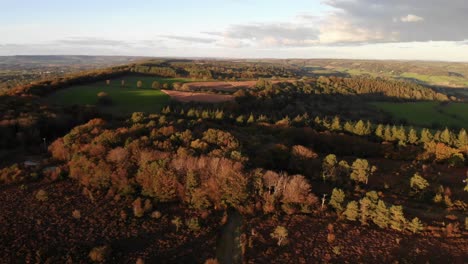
397, 218
329, 167
415, 225
462, 139
365, 207
418, 183
446, 137
359, 128
412, 136
337, 199
381, 215
401, 134
368, 130
388, 133
336, 125
348, 127
251, 119
426, 136
379, 131
352, 211
362, 171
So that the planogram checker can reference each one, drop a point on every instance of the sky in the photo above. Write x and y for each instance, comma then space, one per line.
354, 29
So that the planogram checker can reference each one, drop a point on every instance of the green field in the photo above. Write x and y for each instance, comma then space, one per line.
125, 100
427, 114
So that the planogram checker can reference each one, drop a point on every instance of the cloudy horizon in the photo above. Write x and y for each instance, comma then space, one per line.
348, 29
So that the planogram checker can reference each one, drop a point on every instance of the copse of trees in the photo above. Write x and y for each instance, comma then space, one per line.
204, 170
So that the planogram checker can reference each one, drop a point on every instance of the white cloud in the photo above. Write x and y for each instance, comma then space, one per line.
411, 18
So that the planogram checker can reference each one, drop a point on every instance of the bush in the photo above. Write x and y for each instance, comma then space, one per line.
42, 195
280, 233
418, 183
104, 98
99, 254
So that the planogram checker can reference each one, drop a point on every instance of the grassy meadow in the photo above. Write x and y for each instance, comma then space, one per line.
125, 99
428, 114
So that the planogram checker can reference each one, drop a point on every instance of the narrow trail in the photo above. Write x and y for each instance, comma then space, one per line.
228, 246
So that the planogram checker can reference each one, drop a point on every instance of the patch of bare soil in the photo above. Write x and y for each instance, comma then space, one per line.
33, 231
198, 97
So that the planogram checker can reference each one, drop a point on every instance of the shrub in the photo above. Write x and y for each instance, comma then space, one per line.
42, 195
99, 254
177, 223
137, 208
280, 233
76, 214
156, 215
104, 98
193, 224
418, 183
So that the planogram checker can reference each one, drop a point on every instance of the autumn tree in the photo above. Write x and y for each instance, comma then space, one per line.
397, 218
280, 233
415, 225
352, 211
412, 136
329, 167
381, 217
361, 170
156, 85
139, 84
426, 135
418, 183
337, 199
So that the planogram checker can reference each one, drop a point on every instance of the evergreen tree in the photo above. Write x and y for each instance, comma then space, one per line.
365, 206
415, 225
359, 128
446, 137
462, 139
361, 171
348, 127
397, 218
368, 130
412, 136
336, 125
379, 131
388, 133
426, 136
251, 119
437, 136
381, 215
352, 211
418, 183
337, 199
329, 167
401, 134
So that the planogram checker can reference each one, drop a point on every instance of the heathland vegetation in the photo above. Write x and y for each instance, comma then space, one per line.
292, 168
